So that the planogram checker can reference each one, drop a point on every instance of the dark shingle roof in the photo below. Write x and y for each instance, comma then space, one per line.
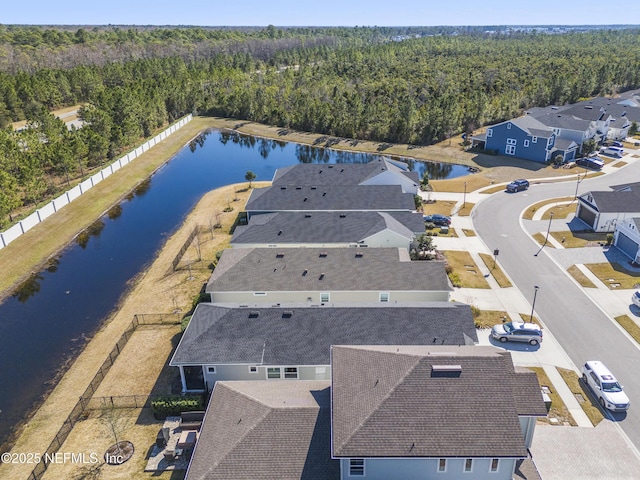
626, 201
325, 227
329, 269
339, 174
532, 126
562, 120
330, 197
303, 335
399, 401
266, 430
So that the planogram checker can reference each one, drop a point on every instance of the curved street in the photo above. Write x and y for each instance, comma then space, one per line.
583, 329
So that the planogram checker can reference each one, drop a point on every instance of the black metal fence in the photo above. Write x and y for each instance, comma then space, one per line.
86, 399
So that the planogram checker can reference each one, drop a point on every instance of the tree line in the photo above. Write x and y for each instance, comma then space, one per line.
356, 83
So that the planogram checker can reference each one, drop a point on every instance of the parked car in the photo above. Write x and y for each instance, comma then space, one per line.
613, 151
517, 332
593, 163
604, 386
635, 298
518, 185
437, 219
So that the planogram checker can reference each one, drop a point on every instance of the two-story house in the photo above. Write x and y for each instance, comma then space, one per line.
523, 137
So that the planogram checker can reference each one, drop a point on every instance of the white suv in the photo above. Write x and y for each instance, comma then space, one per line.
605, 386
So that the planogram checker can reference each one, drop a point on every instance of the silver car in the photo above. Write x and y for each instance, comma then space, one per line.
517, 332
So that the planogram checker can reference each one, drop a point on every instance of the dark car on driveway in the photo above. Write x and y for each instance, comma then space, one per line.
593, 163
518, 185
437, 219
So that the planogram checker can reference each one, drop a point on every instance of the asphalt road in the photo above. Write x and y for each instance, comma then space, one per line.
585, 331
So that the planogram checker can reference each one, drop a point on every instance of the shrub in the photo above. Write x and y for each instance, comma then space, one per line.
429, 225
448, 269
455, 279
184, 322
609, 238
201, 297
170, 406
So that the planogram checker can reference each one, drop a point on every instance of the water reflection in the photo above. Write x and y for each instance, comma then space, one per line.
114, 212
94, 230
29, 288
198, 142
143, 187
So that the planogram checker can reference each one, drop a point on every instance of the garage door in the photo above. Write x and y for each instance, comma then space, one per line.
628, 246
587, 216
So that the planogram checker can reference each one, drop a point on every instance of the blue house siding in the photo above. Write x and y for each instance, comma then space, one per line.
510, 140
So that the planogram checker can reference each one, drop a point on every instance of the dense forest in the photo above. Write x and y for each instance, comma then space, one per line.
416, 86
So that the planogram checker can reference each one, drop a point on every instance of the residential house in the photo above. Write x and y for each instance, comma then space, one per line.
329, 229
627, 237
325, 276
381, 171
264, 431
523, 137
603, 210
426, 412
376, 198
227, 342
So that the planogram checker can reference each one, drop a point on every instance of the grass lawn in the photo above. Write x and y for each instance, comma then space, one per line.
540, 238
469, 233
558, 408
495, 270
580, 277
560, 211
443, 207
529, 212
465, 210
619, 164
488, 318
583, 395
630, 326
474, 182
465, 271
614, 275
527, 318
579, 239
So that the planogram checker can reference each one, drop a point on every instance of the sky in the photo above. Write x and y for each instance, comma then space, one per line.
319, 13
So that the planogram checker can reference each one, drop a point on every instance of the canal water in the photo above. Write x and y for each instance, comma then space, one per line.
48, 319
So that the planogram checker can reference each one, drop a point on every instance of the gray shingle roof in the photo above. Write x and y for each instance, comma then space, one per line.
627, 201
325, 227
339, 174
564, 144
398, 401
565, 121
330, 197
303, 335
532, 126
266, 430
330, 269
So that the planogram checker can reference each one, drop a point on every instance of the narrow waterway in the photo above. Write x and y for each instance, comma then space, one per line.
47, 320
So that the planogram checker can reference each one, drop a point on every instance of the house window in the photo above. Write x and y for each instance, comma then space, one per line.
510, 150
291, 372
324, 297
511, 141
273, 372
384, 296
509, 126
442, 465
211, 369
468, 464
494, 465
253, 369
526, 143
356, 467
534, 139
489, 133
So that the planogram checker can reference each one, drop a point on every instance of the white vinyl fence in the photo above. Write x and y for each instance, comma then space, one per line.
50, 208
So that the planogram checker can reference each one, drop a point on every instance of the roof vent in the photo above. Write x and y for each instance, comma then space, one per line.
305, 199
283, 188
254, 314
446, 370
314, 188
279, 254
342, 215
321, 276
279, 232
287, 314
359, 254
304, 272
320, 171
324, 194
298, 188
588, 107
307, 215
330, 166
342, 169
323, 254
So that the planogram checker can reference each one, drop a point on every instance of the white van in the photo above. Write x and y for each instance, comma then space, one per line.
613, 151
604, 386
